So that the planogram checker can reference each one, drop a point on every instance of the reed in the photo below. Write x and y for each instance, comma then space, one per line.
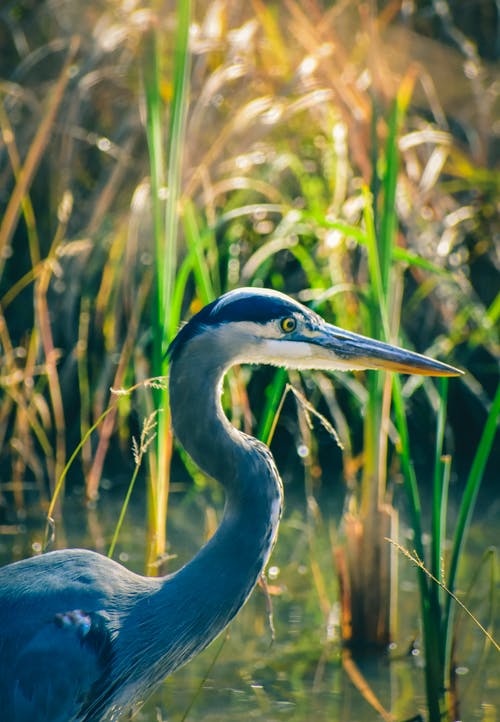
465, 515
367, 562
166, 190
438, 587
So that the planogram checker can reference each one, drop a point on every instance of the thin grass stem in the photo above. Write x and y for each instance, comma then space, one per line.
123, 511
420, 564
60, 482
147, 435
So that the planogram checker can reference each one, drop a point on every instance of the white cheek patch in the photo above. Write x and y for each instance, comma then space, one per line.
251, 343
296, 355
291, 354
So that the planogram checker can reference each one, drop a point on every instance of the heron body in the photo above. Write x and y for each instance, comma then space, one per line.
84, 639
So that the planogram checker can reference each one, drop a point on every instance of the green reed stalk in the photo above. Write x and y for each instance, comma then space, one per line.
465, 513
388, 221
381, 227
440, 493
166, 226
154, 130
380, 224
195, 243
176, 143
429, 612
371, 588
371, 486
437, 611
274, 396
438, 522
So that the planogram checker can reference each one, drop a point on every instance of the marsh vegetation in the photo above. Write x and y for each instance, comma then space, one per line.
155, 155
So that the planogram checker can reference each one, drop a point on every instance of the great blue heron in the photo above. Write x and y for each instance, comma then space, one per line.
81, 637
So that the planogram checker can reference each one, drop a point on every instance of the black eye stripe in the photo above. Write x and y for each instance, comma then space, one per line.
288, 324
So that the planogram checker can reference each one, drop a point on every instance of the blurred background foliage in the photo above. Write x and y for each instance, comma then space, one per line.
288, 109
300, 116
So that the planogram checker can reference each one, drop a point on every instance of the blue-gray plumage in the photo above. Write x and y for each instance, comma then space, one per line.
81, 637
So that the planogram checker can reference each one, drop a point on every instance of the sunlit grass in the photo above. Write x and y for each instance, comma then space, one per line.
208, 149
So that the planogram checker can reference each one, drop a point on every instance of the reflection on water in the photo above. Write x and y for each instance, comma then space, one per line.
300, 675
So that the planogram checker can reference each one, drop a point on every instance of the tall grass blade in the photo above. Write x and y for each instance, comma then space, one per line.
154, 111
431, 617
388, 220
166, 227
176, 143
439, 496
439, 504
274, 398
466, 511
154, 132
195, 244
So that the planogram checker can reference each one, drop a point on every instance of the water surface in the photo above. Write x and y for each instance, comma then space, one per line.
298, 676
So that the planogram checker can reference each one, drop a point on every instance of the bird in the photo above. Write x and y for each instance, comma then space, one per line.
84, 639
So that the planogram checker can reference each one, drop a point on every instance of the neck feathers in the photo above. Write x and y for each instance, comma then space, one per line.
221, 576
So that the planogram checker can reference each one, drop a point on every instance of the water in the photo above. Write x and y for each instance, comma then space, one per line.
300, 676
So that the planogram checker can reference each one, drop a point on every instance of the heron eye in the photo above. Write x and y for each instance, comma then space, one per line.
288, 324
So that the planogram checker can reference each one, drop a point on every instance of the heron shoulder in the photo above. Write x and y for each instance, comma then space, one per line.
67, 579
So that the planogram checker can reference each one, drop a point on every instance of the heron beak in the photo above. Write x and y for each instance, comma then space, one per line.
353, 351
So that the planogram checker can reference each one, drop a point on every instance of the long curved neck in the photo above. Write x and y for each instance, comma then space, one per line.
243, 465
218, 580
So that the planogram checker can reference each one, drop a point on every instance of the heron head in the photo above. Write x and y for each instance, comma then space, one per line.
251, 325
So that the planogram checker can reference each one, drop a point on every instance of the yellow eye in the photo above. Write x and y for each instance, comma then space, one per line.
288, 324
